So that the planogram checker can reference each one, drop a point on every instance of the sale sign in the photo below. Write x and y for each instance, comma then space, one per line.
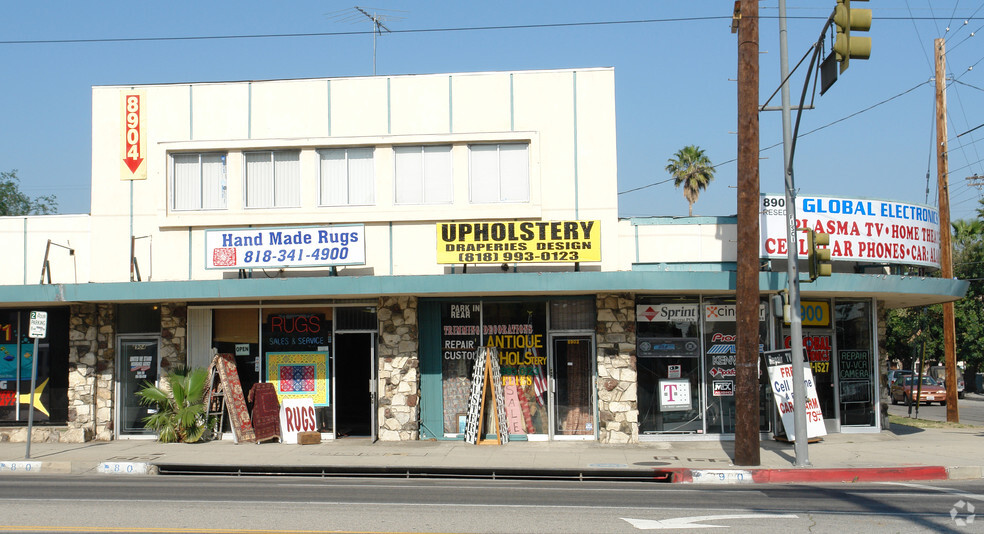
781, 379
133, 145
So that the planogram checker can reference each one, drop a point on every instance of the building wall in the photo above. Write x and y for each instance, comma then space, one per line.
566, 116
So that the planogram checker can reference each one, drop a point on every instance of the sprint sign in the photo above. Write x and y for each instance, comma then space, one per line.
133, 130
297, 415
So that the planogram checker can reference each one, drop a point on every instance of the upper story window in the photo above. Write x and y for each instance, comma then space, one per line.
199, 181
347, 177
273, 179
499, 173
423, 174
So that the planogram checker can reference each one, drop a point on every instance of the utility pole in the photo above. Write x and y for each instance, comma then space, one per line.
800, 440
946, 259
747, 448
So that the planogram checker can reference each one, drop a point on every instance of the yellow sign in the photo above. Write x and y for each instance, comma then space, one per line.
814, 313
519, 242
133, 141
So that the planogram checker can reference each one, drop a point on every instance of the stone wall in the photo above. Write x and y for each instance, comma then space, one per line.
399, 369
174, 336
618, 406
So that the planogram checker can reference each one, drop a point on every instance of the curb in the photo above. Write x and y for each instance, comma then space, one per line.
809, 475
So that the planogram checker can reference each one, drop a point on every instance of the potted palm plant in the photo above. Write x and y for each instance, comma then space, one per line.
181, 413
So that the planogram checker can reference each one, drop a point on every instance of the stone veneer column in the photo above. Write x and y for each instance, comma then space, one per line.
883, 356
92, 351
174, 336
399, 369
618, 406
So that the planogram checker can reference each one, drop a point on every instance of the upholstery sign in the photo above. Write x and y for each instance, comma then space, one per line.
299, 375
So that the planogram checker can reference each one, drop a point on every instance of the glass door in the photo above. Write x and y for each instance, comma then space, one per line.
139, 364
573, 370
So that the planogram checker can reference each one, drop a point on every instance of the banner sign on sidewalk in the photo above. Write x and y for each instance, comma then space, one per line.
780, 365
518, 242
258, 248
866, 230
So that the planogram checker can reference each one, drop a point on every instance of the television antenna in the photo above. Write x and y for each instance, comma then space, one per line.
378, 17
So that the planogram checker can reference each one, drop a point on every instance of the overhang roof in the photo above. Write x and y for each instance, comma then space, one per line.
895, 291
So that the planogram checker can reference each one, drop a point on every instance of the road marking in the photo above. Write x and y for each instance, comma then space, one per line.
20, 467
123, 468
721, 476
951, 491
694, 521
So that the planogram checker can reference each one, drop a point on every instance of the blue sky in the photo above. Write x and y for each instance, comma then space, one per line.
674, 80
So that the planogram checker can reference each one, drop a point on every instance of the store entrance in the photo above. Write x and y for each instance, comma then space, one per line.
573, 369
354, 396
139, 364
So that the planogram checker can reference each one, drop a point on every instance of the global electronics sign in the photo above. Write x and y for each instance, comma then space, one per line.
865, 230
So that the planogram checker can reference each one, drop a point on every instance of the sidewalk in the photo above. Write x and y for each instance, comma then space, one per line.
903, 453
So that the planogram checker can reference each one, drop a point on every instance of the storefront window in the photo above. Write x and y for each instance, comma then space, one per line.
668, 363
818, 350
460, 339
297, 357
518, 331
855, 363
16, 357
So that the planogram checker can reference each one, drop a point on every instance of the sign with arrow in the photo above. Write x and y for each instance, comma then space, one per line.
133, 127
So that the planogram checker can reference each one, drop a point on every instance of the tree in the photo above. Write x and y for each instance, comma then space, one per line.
15, 202
909, 329
691, 167
180, 415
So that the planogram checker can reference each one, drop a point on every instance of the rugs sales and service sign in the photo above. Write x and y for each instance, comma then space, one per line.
519, 242
257, 248
867, 230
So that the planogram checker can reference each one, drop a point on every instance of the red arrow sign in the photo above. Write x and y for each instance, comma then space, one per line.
133, 156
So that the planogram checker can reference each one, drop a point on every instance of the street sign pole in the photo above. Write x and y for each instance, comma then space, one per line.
38, 329
30, 408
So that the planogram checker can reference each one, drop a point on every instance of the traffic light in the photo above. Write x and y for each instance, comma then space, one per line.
818, 258
847, 46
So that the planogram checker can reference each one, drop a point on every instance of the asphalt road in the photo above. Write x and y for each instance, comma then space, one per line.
49, 503
970, 409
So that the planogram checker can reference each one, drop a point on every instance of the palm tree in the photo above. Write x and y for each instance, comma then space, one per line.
180, 415
691, 167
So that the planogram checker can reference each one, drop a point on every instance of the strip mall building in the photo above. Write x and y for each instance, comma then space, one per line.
356, 240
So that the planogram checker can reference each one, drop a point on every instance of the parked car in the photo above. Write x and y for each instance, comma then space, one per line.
905, 390
939, 373
894, 375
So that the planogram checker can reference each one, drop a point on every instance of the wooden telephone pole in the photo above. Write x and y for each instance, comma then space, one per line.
946, 256
747, 448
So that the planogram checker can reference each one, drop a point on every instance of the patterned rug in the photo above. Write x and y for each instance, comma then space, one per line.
239, 420
266, 411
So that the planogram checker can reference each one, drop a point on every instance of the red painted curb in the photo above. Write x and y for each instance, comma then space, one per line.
860, 474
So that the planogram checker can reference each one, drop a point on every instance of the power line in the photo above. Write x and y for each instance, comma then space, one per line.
420, 30
349, 33
869, 108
